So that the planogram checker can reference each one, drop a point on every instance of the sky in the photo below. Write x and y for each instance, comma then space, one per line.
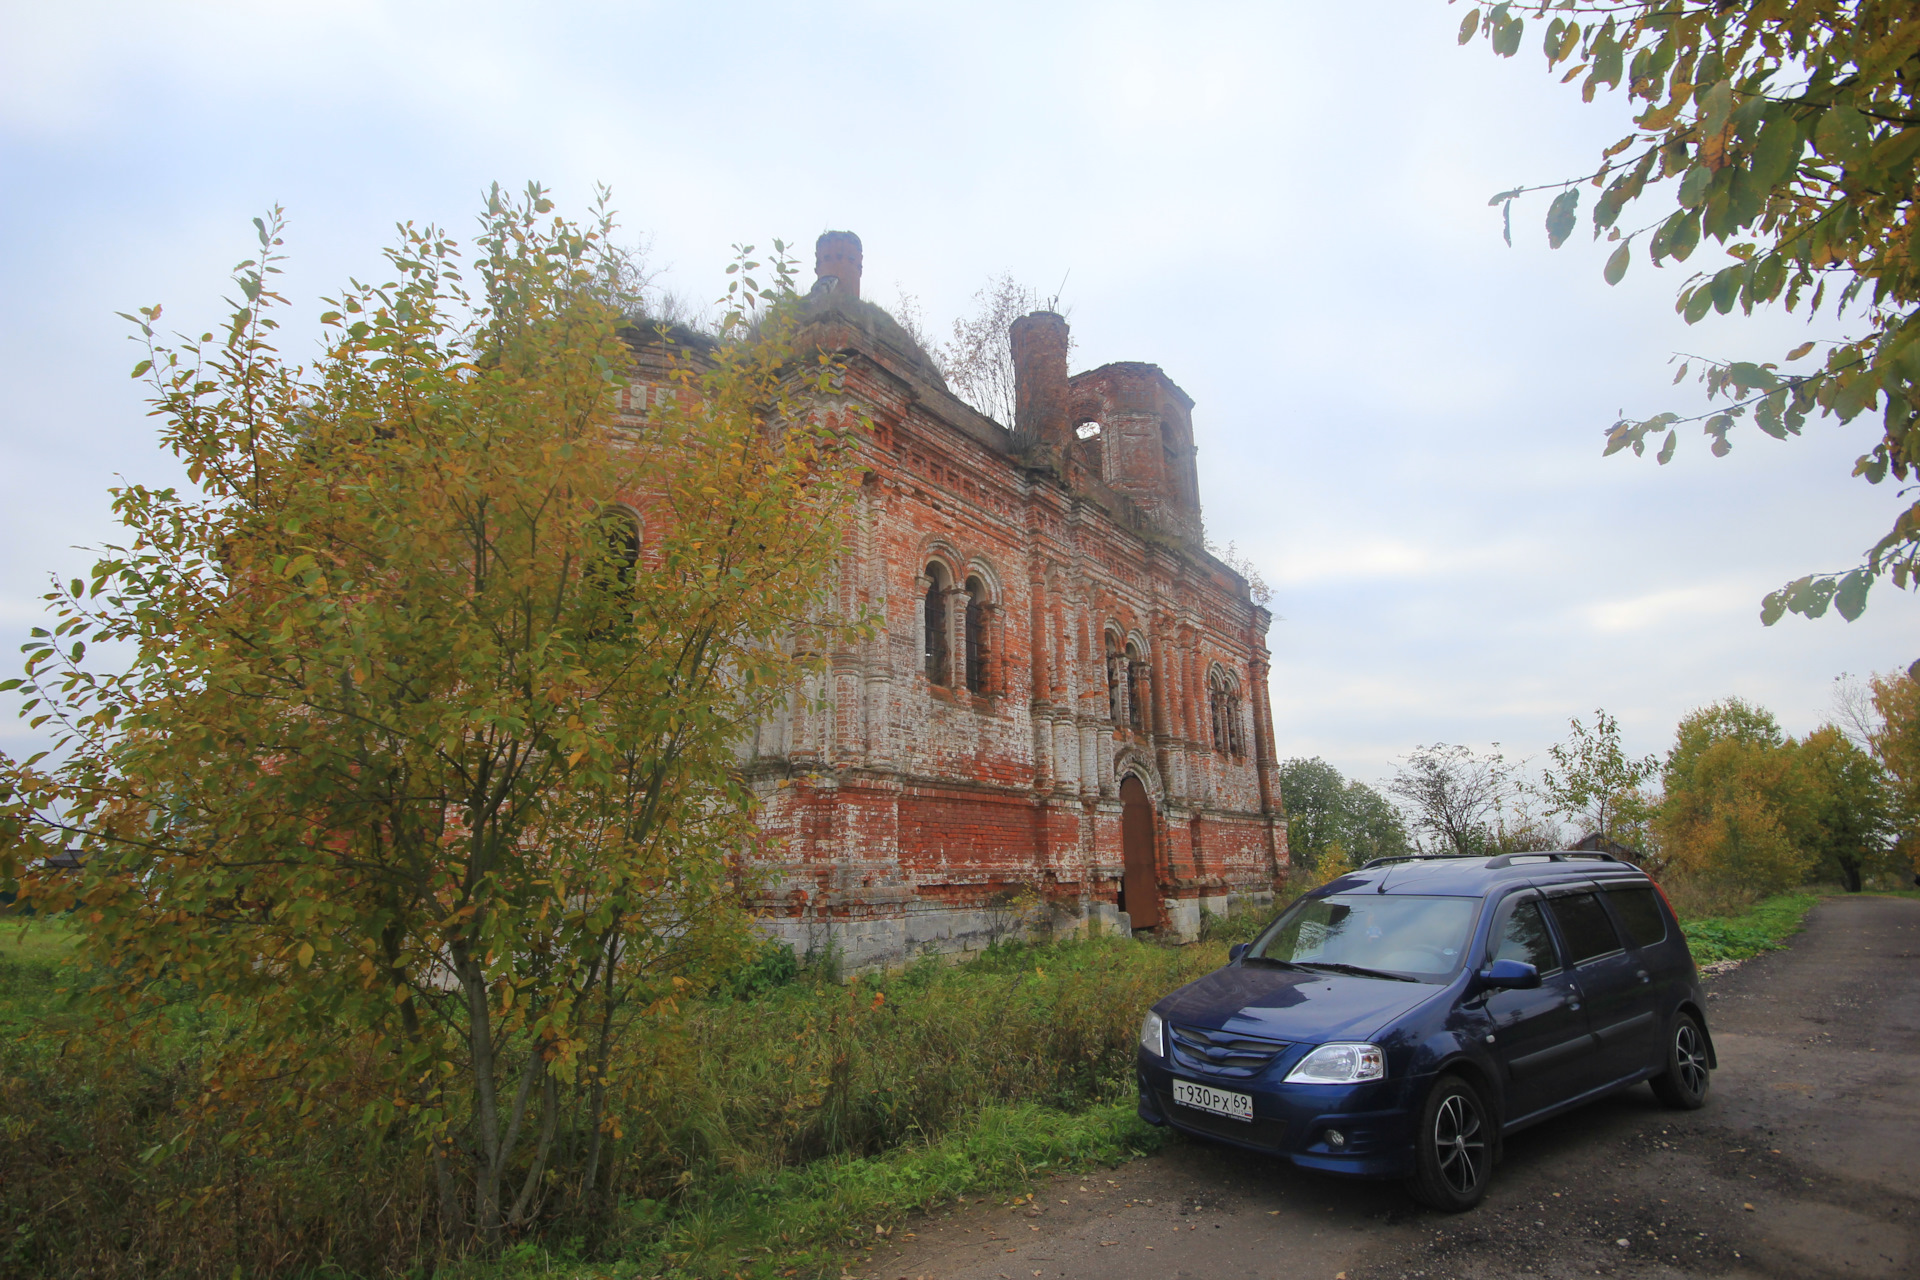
1283, 204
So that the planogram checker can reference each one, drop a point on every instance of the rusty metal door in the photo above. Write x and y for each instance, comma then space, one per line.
1139, 881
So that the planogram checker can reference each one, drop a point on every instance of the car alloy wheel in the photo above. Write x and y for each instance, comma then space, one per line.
1457, 1140
1454, 1155
1683, 1085
1690, 1058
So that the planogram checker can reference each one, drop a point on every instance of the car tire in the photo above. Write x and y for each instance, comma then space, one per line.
1683, 1084
1454, 1147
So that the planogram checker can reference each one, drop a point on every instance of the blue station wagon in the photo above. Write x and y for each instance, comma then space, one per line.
1397, 1022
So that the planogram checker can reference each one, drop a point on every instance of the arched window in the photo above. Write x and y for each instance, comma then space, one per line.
935, 620
1223, 698
976, 629
1116, 680
1136, 688
621, 529
612, 556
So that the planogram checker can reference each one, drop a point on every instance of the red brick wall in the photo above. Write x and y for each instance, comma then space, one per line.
908, 809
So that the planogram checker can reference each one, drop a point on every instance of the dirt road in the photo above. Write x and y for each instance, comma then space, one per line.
1805, 1162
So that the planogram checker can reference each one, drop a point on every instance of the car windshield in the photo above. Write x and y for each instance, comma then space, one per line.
1384, 935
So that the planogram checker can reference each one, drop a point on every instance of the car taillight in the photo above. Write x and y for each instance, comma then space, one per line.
1663, 898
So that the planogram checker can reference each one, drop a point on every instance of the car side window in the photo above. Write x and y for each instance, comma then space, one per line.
1520, 933
1640, 913
1585, 927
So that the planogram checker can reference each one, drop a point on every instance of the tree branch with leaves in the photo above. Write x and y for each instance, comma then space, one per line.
1788, 131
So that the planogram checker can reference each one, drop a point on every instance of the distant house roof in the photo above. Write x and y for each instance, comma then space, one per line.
65, 860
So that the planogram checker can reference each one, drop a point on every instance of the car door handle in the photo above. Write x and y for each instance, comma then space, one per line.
1644, 977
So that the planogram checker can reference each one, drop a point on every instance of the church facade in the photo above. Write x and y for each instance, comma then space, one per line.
1061, 721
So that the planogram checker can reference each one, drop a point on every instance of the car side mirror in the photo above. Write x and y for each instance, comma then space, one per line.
1235, 951
1517, 975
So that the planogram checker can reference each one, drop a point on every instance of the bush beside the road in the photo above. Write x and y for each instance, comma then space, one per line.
779, 1121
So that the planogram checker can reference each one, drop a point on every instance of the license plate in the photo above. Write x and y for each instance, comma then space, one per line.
1235, 1106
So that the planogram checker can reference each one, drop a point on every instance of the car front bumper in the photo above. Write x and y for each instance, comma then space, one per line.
1293, 1120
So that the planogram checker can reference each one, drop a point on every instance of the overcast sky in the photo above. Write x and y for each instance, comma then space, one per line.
1283, 204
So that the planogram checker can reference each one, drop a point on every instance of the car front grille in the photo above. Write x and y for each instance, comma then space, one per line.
1222, 1053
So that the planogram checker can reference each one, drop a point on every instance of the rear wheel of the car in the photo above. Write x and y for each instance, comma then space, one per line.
1683, 1085
1453, 1148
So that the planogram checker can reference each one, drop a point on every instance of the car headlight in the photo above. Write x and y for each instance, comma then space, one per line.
1340, 1064
1152, 1035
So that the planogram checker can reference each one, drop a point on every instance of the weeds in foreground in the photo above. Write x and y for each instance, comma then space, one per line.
778, 1114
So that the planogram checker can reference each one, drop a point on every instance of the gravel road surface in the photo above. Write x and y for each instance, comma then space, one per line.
1804, 1162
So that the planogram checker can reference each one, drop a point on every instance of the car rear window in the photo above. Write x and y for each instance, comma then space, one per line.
1637, 910
1585, 927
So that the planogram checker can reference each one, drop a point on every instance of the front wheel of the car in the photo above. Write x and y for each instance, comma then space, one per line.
1683, 1085
1453, 1149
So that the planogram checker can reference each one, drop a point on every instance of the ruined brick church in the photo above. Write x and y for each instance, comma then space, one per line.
1063, 721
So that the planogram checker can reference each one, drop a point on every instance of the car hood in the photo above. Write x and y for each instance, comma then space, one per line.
1293, 1004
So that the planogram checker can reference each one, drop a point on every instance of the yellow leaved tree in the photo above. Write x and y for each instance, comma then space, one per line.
419, 770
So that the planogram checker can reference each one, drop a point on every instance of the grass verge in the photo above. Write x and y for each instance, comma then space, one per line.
817, 1219
1765, 926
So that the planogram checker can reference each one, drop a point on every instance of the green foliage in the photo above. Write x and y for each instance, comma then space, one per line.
814, 1215
809, 1111
1593, 780
1240, 926
1736, 806
1765, 926
420, 783
1467, 802
1730, 719
771, 964
1324, 810
1896, 745
1847, 824
1789, 133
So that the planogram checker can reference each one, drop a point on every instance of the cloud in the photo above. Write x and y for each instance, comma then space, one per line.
1663, 609
1398, 416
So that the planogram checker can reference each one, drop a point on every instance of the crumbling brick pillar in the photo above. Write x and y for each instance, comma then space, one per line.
1039, 344
837, 254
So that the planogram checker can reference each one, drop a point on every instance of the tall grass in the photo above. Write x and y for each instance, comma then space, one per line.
777, 1111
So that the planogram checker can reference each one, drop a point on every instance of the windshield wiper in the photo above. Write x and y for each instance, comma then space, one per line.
1274, 960
1358, 971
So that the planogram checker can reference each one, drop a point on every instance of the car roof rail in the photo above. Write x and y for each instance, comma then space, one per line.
1417, 857
1499, 860
1553, 855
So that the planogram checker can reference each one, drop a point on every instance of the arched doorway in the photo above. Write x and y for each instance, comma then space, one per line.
1139, 883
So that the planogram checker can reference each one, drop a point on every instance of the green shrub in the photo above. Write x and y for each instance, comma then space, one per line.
783, 1105
1765, 926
